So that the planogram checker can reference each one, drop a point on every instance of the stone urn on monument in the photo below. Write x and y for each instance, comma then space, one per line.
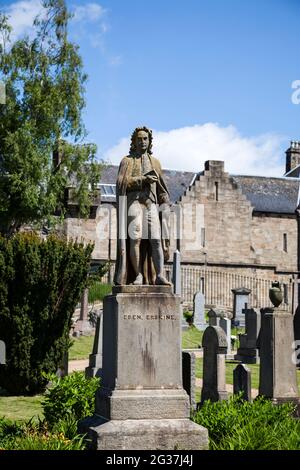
141, 403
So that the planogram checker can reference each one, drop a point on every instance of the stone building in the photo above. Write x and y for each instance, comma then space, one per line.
232, 230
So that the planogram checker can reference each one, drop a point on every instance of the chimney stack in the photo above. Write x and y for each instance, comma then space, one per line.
292, 156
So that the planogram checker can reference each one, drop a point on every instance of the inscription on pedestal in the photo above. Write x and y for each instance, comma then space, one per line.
149, 317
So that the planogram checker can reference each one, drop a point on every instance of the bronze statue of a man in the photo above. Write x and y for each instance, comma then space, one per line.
143, 241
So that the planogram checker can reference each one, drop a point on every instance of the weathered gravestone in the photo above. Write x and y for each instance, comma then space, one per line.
95, 359
141, 403
2, 352
225, 324
214, 316
189, 376
83, 325
199, 311
247, 351
214, 349
240, 302
277, 373
242, 381
63, 368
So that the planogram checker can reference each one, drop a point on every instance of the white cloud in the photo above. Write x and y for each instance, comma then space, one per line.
115, 60
188, 148
89, 22
21, 15
90, 12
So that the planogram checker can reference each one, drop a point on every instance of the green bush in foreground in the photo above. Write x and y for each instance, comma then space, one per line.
69, 397
36, 436
239, 425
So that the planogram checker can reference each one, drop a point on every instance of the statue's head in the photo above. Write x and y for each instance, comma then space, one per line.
137, 136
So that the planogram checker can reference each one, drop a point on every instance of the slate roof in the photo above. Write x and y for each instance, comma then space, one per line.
268, 194
176, 181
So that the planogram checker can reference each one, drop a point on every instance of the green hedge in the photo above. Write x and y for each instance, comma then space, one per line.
41, 281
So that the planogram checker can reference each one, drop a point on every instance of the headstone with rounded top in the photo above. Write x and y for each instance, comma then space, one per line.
214, 345
199, 311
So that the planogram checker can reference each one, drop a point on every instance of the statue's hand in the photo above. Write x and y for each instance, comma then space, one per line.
151, 179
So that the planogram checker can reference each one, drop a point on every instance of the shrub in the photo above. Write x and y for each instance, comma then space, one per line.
189, 316
35, 436
70, 396
41, 282
239, 425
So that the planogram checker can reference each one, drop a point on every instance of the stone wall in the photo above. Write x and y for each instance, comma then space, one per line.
96, 231
233, 233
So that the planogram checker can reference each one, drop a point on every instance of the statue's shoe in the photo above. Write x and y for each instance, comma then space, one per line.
139, 280
162, 281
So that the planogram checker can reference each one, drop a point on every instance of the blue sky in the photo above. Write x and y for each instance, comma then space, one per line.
213, 78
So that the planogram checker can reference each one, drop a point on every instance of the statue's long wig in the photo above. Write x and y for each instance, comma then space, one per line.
132, 150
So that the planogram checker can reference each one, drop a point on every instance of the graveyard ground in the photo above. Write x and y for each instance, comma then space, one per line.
23, 408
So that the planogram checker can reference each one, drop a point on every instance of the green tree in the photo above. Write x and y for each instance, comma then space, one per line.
40, 284
44, 80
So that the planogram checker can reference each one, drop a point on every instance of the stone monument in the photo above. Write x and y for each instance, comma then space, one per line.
214, 316
277, 375
83, 325
199, 311
242, 381
240, 302
94, 368
189, 376
2, 352
247, 351
141, 403
214, 345
225, 324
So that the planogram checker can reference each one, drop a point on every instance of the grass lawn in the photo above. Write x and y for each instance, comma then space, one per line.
191, 338
21, 408
229, 372
81, 348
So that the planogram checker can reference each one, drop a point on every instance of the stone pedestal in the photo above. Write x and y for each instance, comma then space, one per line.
142, 404
278, 378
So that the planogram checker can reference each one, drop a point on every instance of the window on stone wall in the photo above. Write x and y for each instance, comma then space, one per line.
285, 242
217, 191
285, 294
203, 237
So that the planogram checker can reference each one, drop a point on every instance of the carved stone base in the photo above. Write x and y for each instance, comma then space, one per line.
141, 403
145, 434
